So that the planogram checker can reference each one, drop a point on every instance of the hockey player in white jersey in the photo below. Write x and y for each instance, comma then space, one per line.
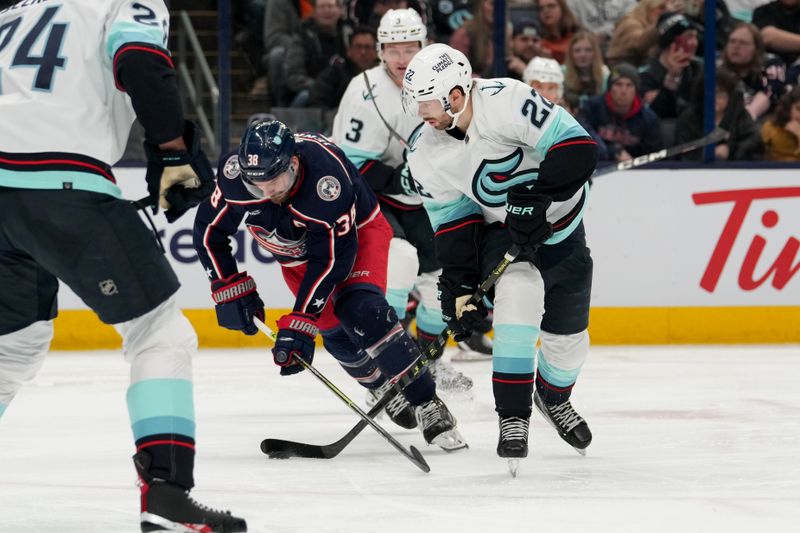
496, 165
372, 129
545, 76
73, 76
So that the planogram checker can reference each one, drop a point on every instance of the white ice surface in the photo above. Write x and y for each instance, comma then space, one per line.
685, 440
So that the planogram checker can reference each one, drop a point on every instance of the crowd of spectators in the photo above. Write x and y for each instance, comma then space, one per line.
632, 70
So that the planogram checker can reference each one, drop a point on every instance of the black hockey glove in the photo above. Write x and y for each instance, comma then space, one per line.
237, 302
178, 181
526, 217
296, 334
461, 318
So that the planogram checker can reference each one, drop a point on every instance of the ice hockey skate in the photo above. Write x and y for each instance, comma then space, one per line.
398, 408
168, 507
571, 427
512, 443
476, 348
438, 425
448, 379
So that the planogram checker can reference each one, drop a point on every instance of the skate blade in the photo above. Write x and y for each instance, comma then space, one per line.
513, 466
450, 441
580, 451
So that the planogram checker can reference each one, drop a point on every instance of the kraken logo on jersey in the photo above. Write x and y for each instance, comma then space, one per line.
494, 177
497, 87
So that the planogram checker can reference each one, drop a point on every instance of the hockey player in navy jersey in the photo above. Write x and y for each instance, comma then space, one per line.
498, 164
303, 201
90, 68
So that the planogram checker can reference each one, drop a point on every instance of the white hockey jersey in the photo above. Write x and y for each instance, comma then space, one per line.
512, 129
57, 92
360, 132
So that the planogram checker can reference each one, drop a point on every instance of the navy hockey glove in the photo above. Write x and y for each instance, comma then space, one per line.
237, 302
178, 181
296, 334
461, 319
526, 217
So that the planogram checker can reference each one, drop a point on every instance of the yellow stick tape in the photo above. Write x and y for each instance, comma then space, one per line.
82, 330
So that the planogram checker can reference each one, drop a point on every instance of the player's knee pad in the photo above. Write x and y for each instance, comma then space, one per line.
373, 325
429, 311
22, 353
402, 271
565, 352
559, 364
355, 361
518, 310
159, 344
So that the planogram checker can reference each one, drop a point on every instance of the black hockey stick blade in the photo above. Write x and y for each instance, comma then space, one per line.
285, 449
414, 455
715, 136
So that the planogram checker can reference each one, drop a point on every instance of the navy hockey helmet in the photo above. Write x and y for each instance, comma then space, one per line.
265, 151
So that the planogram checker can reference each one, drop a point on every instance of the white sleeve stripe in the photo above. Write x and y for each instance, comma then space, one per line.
370, 218
322, 277
205, 240
306, 217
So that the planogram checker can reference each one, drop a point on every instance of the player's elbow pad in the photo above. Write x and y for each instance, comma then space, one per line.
146, 73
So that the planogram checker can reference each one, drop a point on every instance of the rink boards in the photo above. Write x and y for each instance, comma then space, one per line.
681, 256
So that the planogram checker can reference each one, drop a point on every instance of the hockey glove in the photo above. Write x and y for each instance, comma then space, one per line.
526, 217
237, 302
178, 181
461, 318
296, 334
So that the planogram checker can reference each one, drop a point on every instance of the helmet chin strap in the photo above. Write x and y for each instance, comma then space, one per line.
456, 116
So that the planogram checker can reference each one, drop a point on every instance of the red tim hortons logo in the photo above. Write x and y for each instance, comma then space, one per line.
782, 268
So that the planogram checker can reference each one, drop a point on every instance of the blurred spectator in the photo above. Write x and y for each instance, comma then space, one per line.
447, 16
636, 34
695, 12
370, 12
601, 16
331, 83
781, 133
525, 45
323, 38
744, 141
545, 76
476, 39
667, 79
281, 23
627, 126
558, 24
779, 22
744, 56
572, 103
585, 74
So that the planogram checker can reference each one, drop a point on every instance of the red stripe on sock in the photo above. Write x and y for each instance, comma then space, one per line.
511, 382
165, 442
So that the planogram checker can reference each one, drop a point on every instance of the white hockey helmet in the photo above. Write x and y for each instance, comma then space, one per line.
401, 26
432, 74
543, 69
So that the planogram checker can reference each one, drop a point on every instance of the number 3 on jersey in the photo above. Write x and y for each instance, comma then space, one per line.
49, 60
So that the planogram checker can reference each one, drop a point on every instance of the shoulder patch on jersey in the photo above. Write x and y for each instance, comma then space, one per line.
329, 188
231, 168
495, 86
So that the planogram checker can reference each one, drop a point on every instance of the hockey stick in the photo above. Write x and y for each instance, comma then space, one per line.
715, 136
413, 455
392, 132
434, 350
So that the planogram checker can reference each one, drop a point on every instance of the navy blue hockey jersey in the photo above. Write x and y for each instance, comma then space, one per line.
314, 229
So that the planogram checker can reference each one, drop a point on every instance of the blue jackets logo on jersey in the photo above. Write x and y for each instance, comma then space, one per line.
277, 245
231, 168
494, 177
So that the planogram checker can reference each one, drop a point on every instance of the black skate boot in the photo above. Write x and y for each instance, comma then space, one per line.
168, 507
398, 408
571, 427
438, 425
512, 443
